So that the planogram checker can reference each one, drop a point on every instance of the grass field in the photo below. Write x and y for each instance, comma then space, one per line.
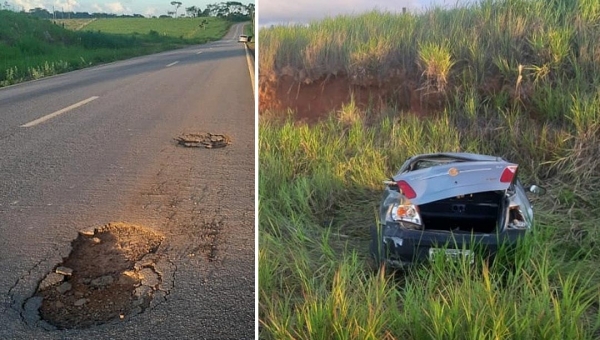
32, 48
184, 28
517, 79
73, 24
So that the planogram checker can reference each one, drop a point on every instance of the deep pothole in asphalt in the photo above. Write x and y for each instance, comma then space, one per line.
112, 273
203, 140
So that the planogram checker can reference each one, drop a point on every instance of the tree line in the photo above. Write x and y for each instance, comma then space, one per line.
230, 10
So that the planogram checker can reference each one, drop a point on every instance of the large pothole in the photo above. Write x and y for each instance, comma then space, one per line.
111, 273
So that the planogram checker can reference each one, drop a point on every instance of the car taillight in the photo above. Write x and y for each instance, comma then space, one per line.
508, 174
407, 191
406, 213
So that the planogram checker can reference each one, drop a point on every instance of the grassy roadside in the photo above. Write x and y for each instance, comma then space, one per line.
32, 48
249, 30
319, 184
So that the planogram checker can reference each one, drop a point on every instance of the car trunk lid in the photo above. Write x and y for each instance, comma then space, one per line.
456, 179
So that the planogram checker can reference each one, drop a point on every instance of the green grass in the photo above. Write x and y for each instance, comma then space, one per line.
249, 29
32, 48
73, 24
320, 184
184, 28
319, 189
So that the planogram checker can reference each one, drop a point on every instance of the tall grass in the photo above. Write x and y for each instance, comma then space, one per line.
450, 301
478, 46
319, 189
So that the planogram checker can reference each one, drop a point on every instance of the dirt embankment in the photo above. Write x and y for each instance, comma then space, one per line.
315, 100
312, 100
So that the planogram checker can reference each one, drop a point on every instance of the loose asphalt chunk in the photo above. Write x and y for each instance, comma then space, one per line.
203, 140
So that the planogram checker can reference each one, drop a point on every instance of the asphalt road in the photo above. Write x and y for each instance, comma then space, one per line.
109, 157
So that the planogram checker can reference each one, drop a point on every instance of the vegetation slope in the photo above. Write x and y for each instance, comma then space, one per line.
31, 48
513, 78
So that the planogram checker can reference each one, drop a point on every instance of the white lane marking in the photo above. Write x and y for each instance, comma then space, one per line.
198, 52
173, 63
52, 115
236, 33
250, 68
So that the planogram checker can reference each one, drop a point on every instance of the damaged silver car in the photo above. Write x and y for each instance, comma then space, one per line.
446, 204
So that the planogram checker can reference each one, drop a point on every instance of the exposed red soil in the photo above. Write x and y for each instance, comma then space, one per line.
314, 101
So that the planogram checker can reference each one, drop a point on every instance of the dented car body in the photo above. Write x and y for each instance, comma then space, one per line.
450, 203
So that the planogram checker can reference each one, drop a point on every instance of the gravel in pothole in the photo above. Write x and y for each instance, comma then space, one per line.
108, 275
203, 140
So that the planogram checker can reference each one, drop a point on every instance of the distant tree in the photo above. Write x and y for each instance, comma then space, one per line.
40, 13
204, 13
45, 14
192, 11
212, 10
250, 8
176, 4
231, 10
171, 13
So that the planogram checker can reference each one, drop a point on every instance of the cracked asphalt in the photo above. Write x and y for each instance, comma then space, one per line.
114, 159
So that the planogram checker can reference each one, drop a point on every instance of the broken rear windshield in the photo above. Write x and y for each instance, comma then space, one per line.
430, 162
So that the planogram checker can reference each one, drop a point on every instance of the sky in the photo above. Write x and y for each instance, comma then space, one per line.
269, 11
302, 11
144, 7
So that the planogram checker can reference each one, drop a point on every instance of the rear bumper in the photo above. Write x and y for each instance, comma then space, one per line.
401, 247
